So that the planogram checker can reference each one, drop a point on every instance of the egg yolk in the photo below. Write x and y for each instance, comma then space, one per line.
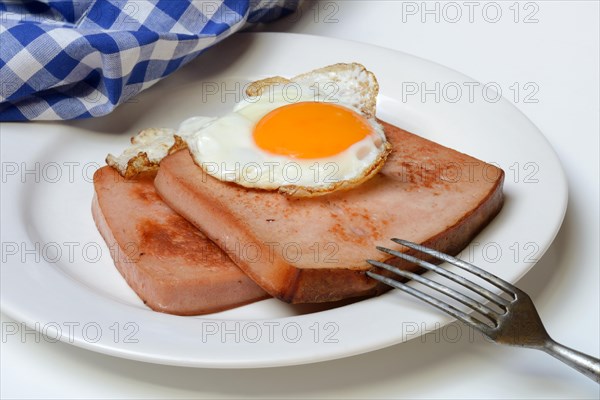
310, 130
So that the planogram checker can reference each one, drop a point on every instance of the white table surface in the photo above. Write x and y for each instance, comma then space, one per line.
559, 54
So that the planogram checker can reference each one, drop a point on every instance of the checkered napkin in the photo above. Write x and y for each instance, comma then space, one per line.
81, 59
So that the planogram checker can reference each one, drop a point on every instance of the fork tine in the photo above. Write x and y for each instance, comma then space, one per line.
480, 290
493, 279
447, 308
466, 300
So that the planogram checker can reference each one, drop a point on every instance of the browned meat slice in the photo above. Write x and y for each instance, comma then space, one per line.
171, 265
314, 250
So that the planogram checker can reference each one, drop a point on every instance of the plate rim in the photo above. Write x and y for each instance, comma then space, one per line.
20, 313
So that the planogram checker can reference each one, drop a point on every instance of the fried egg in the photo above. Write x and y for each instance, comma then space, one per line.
307, 136
147, 150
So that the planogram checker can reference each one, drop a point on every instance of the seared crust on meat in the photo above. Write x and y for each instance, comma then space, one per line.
169, 263
308, 250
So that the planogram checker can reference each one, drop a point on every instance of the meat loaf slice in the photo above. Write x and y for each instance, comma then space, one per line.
171, 265
314, 249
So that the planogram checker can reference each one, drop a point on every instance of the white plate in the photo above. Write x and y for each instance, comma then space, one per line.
57, 275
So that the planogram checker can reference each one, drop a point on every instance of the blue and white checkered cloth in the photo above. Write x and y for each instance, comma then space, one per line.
81, 59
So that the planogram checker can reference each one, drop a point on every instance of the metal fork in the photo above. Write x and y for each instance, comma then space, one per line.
518, 322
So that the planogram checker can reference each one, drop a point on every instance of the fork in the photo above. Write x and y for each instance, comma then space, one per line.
517, 324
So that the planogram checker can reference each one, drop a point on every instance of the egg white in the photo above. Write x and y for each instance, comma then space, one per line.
225, 148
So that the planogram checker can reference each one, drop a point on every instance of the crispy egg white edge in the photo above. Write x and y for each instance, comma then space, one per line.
156, 143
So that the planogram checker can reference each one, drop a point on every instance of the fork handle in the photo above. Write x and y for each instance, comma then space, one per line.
586, 364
